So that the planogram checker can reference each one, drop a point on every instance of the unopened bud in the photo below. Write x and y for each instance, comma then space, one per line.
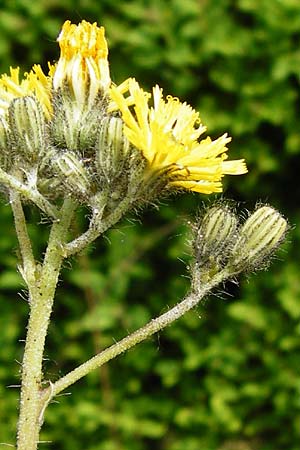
3, 133
259, 237
112, 148
72, 127
73, 174
215, 235
27, 127
6, 155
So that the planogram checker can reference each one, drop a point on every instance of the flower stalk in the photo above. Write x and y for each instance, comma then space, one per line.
28, 268
41, 296
98, 225
143, 333
29, 193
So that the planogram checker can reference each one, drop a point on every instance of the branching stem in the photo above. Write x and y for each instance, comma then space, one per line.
42, 285
98, 225
41, 301
28, 193
138, 336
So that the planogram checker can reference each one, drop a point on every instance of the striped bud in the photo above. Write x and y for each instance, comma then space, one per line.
112, 148
73, 174
72, 127
27, 128
215, 235
6, 155
259, 237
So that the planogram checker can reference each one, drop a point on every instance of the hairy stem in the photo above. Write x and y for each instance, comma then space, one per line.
28, 263
41, 301
138, 336
28, 193
98, 225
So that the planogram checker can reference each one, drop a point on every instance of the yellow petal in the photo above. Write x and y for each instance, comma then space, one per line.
168, 133
83, 62
34, 83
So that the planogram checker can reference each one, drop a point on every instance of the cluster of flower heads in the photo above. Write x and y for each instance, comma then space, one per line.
74, 132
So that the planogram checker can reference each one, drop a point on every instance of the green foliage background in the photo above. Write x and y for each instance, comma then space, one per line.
225, 377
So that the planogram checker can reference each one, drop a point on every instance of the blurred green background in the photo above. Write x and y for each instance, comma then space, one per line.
226, 376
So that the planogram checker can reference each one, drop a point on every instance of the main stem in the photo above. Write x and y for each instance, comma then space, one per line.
41, 296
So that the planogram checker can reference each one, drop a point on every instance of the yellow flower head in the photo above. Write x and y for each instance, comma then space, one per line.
34, 83
83, 61
168, 135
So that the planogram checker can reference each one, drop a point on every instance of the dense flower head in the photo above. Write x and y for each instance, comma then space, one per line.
168, 135
83, 62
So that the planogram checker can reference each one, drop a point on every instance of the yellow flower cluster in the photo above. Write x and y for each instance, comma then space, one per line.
166, 131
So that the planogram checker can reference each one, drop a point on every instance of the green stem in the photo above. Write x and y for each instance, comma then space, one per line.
29, 193
98, 225
28, 263
138, 336
41, 301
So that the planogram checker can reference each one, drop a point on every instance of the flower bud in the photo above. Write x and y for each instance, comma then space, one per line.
83, 64
112, 148
215, 235
6, 155
73, 128
73, 174
27, 126
3, 133
259, 237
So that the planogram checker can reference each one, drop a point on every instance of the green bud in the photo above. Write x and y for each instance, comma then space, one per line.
259, 237
27, 128
6, 155
215, 234
64, 127
3, 133
70, 169
74, 127
112, 148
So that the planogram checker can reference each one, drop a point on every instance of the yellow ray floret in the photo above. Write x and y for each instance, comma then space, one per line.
168, 135
83, 61
34, 83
